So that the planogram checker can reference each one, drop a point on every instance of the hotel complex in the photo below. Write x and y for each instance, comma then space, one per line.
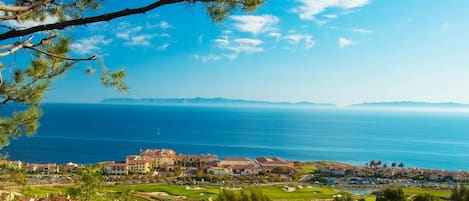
150, 160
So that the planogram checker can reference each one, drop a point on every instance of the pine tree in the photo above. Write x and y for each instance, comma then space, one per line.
25, 86
390, 194
88, 183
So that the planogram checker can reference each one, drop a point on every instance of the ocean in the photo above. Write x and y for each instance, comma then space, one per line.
89, 133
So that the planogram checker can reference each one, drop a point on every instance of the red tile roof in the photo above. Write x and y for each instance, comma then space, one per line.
236, 159
271, 161
116, 164
196, 156
137, 161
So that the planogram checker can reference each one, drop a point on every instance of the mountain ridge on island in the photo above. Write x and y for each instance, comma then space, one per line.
220, 101
207, 101
409, 104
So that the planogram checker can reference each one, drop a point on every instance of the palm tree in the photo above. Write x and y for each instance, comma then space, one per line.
378, 163
385, 165
401, 164
393, 164
372, 163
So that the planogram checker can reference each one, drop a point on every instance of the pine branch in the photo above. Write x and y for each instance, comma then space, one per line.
6, 8
15, 47
93, 57
22, 10
6, 46
28, 45
89, 20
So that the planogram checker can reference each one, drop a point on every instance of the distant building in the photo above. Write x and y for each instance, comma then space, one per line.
36, 168
222, 171
460, 176
236, 162
195, 160
235, 166
273, 162
140, 166
246, 170
114, 168
159, 157
72, 167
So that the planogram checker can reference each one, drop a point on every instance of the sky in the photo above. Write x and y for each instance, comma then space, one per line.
327, 51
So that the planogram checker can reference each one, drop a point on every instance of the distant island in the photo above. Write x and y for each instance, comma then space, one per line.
208, 101
410, 104
219, 101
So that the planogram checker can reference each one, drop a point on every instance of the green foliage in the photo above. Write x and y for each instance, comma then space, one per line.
114, 79
425, 197
296, 175
220, 9
29, 84
280, 170
460, 194
401, 164
390, 194
439, 193
231, 195
28, 87
12, 173
88, 183
126, 195
343, 197
307, 167
18, 123
90, 71
43, 9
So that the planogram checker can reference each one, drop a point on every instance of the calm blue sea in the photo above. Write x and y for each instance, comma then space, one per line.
87, 133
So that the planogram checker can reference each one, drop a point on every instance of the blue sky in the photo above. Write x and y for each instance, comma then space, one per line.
334, 51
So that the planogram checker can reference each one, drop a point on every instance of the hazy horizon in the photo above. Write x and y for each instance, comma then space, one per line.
370, 105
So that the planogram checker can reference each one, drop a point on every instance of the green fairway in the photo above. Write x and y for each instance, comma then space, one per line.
308, 167
43, 191
204, 193
434, 192
276, 192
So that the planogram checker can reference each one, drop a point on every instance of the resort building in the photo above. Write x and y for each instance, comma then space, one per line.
114, 168
139, 166
235, 162
195, 160
270, 162
235, 166
133, 157
246, 170
72, 167
43, 168
159, 157
359, 172
222, 171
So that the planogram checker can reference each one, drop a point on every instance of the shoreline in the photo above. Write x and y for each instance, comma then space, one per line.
360, 163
